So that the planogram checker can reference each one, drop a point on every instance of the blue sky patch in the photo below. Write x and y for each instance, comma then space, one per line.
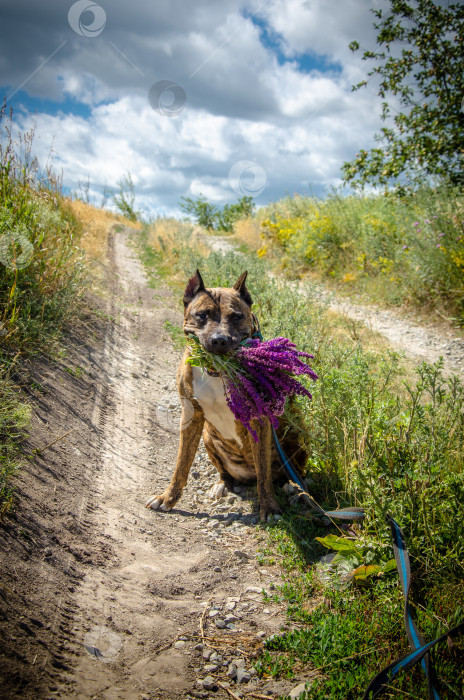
306, 62
23, 103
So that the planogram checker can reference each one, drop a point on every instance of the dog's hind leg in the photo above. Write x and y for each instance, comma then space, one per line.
191, 427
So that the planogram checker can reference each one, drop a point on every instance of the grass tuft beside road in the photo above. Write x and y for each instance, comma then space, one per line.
47, 245
378, 439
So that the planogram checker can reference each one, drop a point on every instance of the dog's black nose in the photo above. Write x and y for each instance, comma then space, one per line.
219, 342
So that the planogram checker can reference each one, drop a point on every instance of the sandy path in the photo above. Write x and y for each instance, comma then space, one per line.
164, 568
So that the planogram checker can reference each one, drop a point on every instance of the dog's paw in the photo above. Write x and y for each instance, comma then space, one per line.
269, 510
160, 503
217, 490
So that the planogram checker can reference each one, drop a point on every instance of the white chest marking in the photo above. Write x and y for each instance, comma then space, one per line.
209, 392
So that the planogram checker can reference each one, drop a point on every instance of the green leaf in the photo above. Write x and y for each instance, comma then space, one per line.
389, 566
340, 544
363, 571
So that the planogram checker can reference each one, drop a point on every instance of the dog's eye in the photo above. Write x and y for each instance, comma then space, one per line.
201, 315
237, 316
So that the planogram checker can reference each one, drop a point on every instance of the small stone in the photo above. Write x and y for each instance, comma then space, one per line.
261, 635
266, 611
253, 589
179, 644
240, 554
213, 524
217, 568
207, 653
229, 606
220, 624
243, 676
209, 683
199, 647
213, 613
196, 475
230, 618
232, 671
210, 668
297, 691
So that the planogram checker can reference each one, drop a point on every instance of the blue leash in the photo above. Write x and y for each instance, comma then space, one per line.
420, 648
342, 514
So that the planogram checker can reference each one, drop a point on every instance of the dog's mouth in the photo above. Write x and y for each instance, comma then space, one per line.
220, 345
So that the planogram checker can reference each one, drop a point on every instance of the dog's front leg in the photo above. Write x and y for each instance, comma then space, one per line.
262, 460
191, 427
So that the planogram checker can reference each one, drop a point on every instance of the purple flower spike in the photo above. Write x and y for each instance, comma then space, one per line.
258, 377
270, 368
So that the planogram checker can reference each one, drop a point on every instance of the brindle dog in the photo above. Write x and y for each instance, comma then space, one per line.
221, 318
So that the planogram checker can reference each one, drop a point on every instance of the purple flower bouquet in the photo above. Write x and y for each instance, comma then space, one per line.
257, 377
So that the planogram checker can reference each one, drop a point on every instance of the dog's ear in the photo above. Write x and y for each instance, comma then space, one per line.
240, 287
194, 286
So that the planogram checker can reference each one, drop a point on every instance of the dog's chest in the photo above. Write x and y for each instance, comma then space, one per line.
209, 392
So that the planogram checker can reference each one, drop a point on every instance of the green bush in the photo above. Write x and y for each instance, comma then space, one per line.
399, 249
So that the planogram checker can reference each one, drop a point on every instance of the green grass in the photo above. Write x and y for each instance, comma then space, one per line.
41, 278
396, 250
14, 418
377, 439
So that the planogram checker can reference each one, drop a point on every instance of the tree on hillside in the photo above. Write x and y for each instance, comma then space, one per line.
125, 198
207, 215
203, 212
420, 63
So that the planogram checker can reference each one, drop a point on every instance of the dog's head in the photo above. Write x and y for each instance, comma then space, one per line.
220, 317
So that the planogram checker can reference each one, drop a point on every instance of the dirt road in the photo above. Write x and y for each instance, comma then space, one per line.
100, 597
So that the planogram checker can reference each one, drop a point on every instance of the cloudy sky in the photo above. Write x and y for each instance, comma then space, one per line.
191, 96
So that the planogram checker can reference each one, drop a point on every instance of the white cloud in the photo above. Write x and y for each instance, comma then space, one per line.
243, 102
